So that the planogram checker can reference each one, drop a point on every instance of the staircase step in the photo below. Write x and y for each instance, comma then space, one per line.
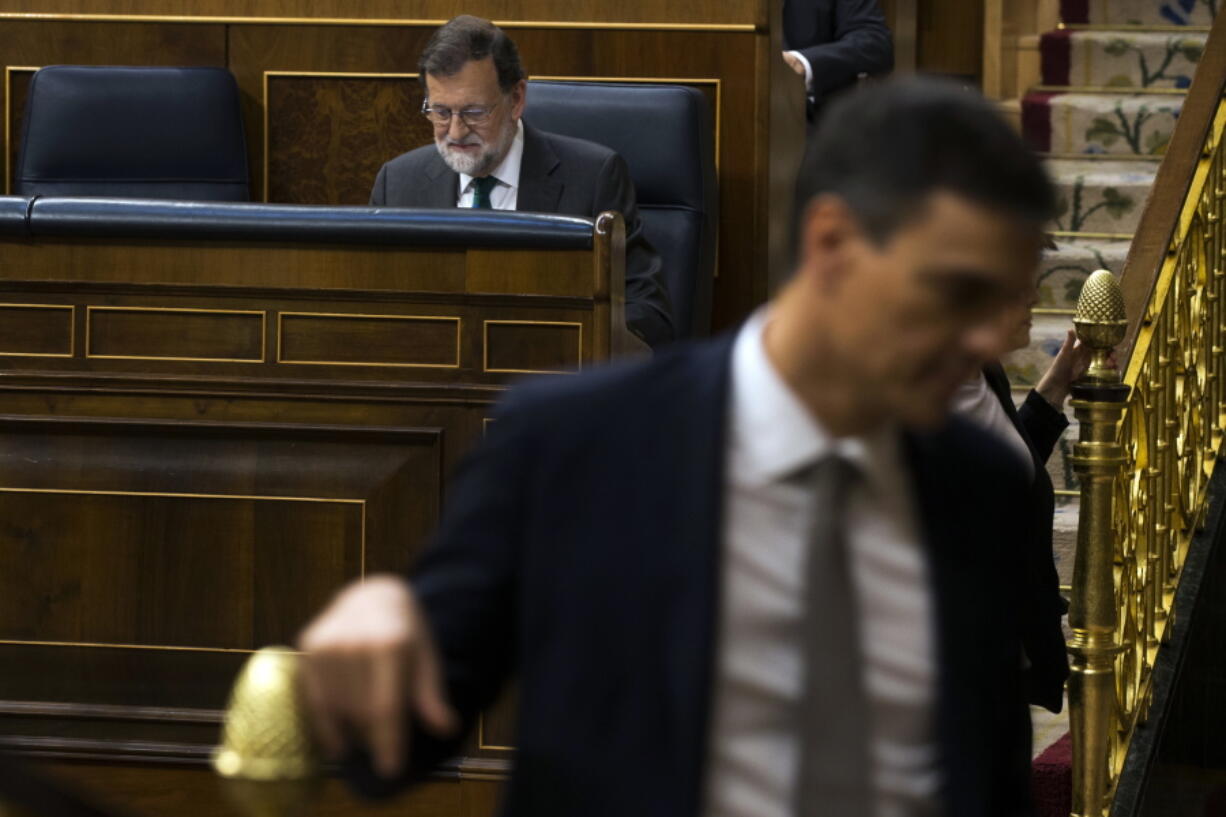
1063, 270
1141, 59
1100, 196
1119, 124
1139, 12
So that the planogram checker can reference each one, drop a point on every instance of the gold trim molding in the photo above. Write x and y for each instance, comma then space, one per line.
12, 16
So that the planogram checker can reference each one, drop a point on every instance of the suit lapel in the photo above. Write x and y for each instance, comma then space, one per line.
442, 187
539, 191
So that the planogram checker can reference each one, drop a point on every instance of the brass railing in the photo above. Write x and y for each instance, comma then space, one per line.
1145, 457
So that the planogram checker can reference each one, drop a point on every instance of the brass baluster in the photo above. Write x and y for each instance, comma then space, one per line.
1099, 402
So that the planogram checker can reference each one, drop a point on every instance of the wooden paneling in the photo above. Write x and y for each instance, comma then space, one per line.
36, 329
950, 37
683, 13
417, 341
328, 135
537, 347
221, 537
174, 571
145, 333
1011, 31
261, 433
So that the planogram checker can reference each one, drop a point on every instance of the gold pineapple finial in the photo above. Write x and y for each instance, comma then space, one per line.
266, 755
1101, 324
266, 736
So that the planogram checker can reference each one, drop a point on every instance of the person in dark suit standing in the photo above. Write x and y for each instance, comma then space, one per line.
746, 577
1031, 431
484, 155
833, 42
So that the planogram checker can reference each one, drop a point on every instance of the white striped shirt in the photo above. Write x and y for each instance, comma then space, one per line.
752, 760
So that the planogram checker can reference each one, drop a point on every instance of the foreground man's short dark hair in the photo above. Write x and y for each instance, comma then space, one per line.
467, 38
885, 147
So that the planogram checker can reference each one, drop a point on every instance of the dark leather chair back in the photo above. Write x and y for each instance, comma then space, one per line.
664, 133
168, 133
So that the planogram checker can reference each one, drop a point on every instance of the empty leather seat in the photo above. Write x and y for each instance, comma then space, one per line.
664, 133
171, 133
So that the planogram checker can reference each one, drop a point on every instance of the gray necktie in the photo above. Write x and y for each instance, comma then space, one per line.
833, 774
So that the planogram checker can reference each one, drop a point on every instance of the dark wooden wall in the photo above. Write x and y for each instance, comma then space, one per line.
950, 37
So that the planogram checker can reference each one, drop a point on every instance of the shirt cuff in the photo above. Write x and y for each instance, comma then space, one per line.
808, 68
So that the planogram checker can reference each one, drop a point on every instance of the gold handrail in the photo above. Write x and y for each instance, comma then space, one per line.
1146, 462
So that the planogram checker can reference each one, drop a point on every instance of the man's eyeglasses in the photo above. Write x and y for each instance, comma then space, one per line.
472, 115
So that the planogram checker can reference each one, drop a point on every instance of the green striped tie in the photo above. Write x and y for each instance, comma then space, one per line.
482, 185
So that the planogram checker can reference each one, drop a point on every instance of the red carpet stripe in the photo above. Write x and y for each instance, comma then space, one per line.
1056, 49
1075, 11
1036, 120
1051, 779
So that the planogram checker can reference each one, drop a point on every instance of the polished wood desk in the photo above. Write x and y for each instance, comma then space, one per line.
203, 437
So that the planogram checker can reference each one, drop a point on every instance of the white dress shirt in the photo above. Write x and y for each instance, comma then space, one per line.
754, 738
505, 194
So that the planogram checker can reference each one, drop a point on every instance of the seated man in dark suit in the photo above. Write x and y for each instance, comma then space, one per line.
751, 576
832, 42
484, 156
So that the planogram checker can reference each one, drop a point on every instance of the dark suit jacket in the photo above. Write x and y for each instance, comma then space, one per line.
562, 560
558, 174
840, 38
1040, 426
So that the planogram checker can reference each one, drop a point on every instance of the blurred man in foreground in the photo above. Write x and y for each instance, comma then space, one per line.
748, 577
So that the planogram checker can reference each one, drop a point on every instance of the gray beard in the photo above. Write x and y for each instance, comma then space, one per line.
482, 163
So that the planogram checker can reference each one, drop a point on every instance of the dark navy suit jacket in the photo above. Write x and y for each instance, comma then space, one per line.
580, 553
1040, 426
840, 38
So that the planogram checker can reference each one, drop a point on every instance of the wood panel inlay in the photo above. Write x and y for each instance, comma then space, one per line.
421, 341
148, 333
17, 88
174, 571
532, 347
36, 330
327, 135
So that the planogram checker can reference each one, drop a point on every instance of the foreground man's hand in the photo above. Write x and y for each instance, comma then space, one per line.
370, 660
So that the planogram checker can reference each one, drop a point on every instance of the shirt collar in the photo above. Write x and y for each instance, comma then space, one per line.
776, 436
507, 172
